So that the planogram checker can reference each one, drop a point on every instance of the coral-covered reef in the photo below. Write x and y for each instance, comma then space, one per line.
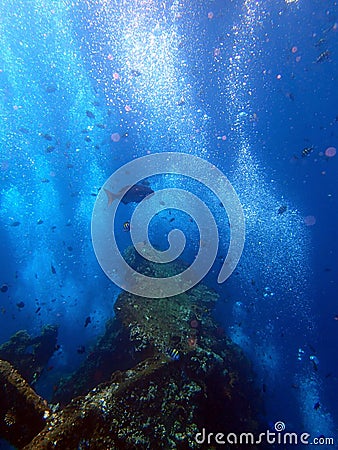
29, 355
22, 412
162, 372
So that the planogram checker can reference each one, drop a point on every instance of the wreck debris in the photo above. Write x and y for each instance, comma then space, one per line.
132, 393
23, 412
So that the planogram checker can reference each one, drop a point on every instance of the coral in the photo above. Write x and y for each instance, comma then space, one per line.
29, 355
131, 393
23, 412
156, 404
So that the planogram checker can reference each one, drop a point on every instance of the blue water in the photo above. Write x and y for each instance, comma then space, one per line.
234, 82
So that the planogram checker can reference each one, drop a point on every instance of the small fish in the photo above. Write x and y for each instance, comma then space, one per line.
52, 268
44, 180
15, 224
324, 56
50, 149
69, 248
172, 219
282, 209
315, 362
316, 406
38, 310
126, 226
20, 305
90, 115
87, 321
101, 125
4, 288
87, 139
320, 42
81, 349
135, 73
23, 130
46, 136
173, 354
307, 151
50, 89
39, 222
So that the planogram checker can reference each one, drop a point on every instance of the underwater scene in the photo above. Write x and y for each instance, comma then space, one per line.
169, 217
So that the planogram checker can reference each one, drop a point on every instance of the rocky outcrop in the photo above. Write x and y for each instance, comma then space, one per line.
23, 412
162, 372
28, 354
